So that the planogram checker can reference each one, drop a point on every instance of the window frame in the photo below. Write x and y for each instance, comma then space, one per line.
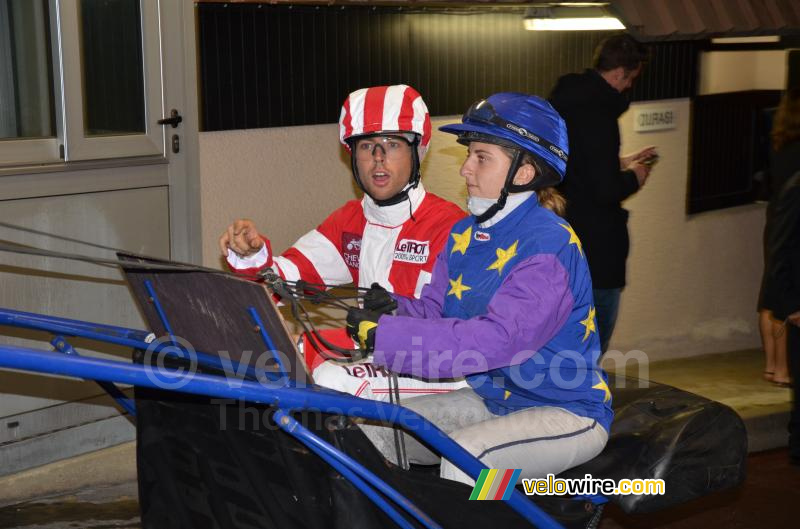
78, 146
24, 151
70, 144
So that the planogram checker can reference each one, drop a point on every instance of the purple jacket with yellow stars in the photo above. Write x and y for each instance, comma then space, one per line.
509, 307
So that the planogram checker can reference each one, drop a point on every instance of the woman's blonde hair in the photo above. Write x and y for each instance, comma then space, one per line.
786, 126
549, 197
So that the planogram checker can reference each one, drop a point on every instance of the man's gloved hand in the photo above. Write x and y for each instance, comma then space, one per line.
361, 326
378, 299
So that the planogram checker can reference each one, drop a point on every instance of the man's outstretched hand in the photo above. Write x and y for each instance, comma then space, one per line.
242, 237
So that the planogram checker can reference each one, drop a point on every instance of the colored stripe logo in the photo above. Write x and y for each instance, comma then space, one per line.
495, 484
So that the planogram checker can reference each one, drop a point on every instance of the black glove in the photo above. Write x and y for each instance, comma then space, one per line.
378, 299
361, 326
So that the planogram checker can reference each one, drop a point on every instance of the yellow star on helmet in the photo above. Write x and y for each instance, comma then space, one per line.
589, 324
462, 241
602, 386
456, 288
503, 256
573, 237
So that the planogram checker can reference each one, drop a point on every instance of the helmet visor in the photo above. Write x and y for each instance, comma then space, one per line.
483, 112
388, 147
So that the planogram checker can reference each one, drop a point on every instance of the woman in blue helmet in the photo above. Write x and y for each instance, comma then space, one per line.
509, 307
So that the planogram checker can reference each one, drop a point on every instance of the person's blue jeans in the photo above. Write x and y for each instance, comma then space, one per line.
606, 302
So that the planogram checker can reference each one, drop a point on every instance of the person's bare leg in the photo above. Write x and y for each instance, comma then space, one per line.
781, 370
765, 326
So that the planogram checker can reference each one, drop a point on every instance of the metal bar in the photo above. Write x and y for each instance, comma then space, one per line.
63, 346
161, 314
31, 320
280, 396
355, 473
133, 338
267, 340
399, 438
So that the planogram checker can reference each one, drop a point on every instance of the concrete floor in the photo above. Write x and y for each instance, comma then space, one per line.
733, 379
99, 490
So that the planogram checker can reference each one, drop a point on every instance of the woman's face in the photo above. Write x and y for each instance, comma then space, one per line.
485, 170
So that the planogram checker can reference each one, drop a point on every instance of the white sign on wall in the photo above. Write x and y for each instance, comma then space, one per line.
647, 119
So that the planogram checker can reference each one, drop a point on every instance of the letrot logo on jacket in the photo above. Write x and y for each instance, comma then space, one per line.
411, 251
351, 248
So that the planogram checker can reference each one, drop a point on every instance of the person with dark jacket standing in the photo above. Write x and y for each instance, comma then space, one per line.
597, 178
782, 286
784, 162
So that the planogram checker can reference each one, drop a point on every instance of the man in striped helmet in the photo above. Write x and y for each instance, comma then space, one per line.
387, 130
390, 237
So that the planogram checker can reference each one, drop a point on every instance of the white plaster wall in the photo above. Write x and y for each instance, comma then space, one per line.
731, 71
287, 180
692, 280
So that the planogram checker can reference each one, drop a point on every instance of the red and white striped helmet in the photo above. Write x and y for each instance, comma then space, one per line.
390, 109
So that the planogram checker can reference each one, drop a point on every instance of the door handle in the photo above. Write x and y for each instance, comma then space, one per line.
173, 119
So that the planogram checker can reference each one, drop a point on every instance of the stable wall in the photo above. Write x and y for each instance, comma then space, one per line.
692, 279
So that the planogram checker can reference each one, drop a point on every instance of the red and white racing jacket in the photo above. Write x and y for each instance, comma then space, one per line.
363, 243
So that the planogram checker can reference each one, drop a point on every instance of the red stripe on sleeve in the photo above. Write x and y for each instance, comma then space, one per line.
307, 271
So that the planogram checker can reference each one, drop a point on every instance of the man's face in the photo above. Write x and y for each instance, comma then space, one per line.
624, 79
384, 164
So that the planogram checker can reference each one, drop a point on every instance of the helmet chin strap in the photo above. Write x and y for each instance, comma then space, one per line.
516, 162
413, 180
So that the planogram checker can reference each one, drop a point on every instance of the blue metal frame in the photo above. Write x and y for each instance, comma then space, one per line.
352, 470
276, 393
161, 314
133, 338
63, 346
67, 327
267, 340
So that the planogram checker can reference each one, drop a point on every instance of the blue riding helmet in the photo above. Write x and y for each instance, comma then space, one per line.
519, 121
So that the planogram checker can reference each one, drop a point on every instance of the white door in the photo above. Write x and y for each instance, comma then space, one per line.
83, 84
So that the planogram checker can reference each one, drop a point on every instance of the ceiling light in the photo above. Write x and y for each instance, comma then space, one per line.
763, 39
560, 18
572, 24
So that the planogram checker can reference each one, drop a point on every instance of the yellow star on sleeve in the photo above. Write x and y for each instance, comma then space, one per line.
589, 324
461, 241
506, 394
456, 288
503, 256
602, 386
573, 237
